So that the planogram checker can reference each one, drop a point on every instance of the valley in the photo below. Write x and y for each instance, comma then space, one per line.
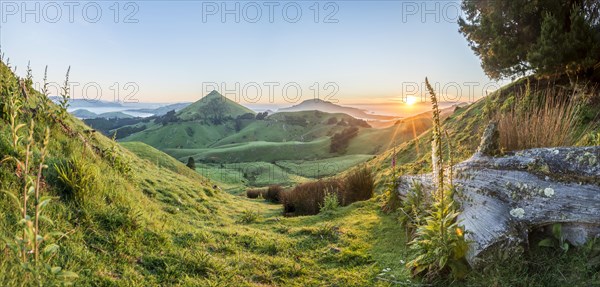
239, 148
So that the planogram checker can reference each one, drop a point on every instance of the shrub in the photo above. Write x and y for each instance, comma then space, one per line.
191, 163
256, 192
274, 193
307, 198
359, 186
341, 140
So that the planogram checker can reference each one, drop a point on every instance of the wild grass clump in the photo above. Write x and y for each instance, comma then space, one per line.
78, 178
249, 216
312, 197
274, 193
546, 118
413, 208
307, 198
359, 185
256, 192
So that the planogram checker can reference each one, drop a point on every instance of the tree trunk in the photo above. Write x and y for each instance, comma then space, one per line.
503, 198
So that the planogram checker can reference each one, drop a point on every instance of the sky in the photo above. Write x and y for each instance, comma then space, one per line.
348, 52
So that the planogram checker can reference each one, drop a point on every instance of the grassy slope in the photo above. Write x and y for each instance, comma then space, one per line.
163, 224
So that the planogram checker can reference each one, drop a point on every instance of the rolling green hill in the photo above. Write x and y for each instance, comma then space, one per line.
133, 216
211, 103
239, 137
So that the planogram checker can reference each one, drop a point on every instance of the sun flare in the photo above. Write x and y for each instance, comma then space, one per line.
410, 100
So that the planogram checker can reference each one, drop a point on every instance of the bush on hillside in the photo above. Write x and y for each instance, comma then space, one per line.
359, 186
274, 193
191, 163
78, 179
256, 192
311, 197
308, 198
341, 140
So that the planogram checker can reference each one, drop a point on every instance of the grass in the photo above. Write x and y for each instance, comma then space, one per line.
540, 119
323, 167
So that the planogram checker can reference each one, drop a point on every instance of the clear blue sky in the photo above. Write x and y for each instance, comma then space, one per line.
375, 49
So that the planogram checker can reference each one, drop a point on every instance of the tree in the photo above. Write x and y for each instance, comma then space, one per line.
261, 116
217, 109
341, 140
191, 163
550, 38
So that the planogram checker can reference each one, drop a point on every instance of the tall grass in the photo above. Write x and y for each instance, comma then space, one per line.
256, 192
274, 193
547, 118
310, 198
358, 186
307, 198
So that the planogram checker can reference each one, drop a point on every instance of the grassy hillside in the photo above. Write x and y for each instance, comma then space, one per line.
150, 221
181, 135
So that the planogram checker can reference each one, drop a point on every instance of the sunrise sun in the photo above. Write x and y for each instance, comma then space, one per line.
410, 100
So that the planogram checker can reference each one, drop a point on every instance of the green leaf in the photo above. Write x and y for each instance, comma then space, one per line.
548, 242
50, 249
55, 270
557, 231
46, 219
44, 201
13, 197
68, 275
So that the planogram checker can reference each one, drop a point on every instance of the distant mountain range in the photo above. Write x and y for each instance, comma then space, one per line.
329, 107
162, 110
85, 114
76, 103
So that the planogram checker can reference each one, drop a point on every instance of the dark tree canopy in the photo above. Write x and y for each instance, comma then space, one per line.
549, 37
